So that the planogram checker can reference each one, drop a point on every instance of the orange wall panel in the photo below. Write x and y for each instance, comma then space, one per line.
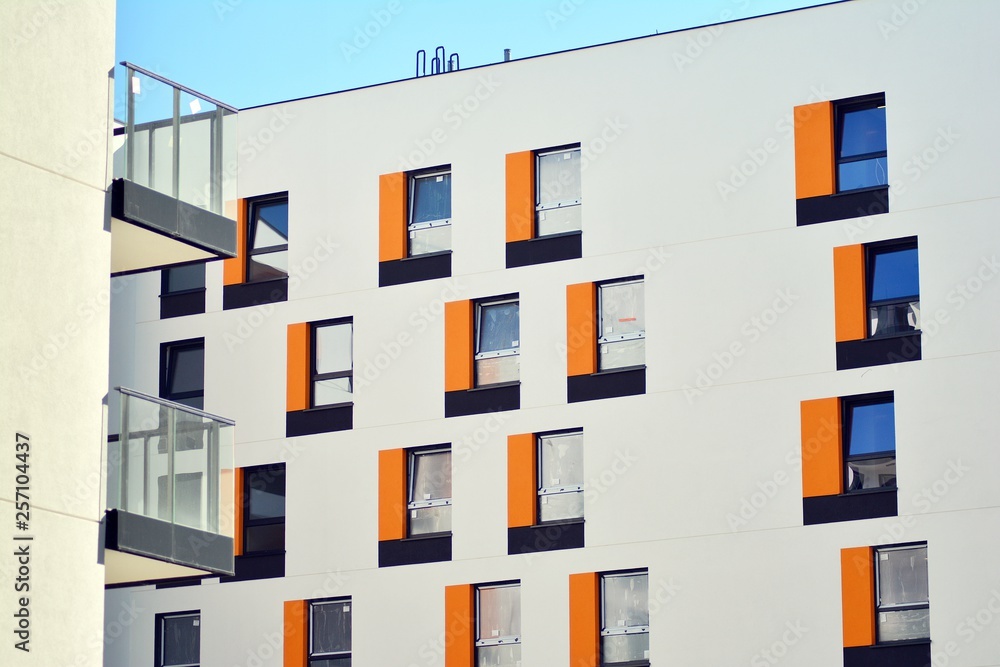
849, 292
522, 476
392, 236
822, 450
392, 494
458, 350
234, 270
520, 196
584, 620
296, 631
814, 159
857, 579
581, 338
298, 370
459, 606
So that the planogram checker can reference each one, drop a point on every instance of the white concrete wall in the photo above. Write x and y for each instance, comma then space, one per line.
670, 472
54, 294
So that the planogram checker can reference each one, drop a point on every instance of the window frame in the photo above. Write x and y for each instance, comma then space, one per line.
508, 640
880, 609
477, 331
252, 207
540, 207
411, 504
333, 655
161, 620
605, 631
841, 109
603, 339
249, 523
314, 376
872, 251
848, 403
543, 491
413, 227
168, 366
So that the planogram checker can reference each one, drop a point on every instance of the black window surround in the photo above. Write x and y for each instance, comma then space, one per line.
261, 285
178, 639
182, 372
327, 417
431, 224
263, 524
182, 290
904, 342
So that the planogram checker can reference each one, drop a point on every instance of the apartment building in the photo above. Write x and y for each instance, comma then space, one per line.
750, 384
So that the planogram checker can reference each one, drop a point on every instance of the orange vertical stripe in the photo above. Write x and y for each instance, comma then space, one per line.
822, 457
849, 292
234, 270
391, 494
814, 161
296, 631
522, 480
458, 619
584, 620
392, 238
238, 512
581, 318
520, 196
458, 345
857, 580
298, 371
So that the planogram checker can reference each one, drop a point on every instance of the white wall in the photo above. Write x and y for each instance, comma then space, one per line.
668, 472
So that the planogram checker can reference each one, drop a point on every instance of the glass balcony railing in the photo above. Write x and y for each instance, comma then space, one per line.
172, 463
178, 142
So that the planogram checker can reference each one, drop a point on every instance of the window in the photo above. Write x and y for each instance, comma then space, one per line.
870, 438
330, 633
496, 355
180, 279
902, 601
560, 476
498, 625
622, 320
264, 508
893, 290
182, 372
179, 640
429, 218
861, 144
268, 239
332, 365
624, 618
429, 493
557, 196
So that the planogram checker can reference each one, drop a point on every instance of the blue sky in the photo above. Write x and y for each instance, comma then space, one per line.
250, 52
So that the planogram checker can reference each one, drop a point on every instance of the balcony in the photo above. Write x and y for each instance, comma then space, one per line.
171, 494
174, 188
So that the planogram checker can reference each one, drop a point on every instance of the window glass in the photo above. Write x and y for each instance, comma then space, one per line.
430, 239
626, 601
184, 278
499, 327
266, 537
559, 177
268, 241
863, 132
431, 197
873, 428
330, 627
624, 648
871, 473
622, 309
187, 369
333, 348
560, 477
265, 492
499, 612
895, 275
862, 174
181, 640
332, 391
902, 576
431, 476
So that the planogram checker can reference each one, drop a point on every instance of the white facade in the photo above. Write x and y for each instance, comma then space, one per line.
689, 181
54, 303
